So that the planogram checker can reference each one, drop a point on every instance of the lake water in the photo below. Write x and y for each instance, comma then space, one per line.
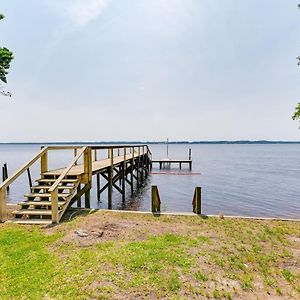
250, 180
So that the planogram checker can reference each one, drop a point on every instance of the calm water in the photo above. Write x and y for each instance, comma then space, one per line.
252, 180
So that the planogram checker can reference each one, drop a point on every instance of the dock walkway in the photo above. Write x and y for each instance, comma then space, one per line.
58, 189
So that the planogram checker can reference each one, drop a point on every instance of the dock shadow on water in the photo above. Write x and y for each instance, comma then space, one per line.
137, 200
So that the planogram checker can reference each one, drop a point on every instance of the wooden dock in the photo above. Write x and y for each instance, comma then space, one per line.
167, 162
58, 189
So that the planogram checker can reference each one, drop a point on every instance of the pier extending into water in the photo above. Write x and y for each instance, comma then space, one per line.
60, 188
167, 162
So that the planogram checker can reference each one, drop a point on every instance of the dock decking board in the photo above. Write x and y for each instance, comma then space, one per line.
97, 166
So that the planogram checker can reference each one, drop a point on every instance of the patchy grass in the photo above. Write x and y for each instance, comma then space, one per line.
140, 256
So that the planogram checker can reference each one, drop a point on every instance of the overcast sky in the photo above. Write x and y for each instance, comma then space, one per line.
94, 70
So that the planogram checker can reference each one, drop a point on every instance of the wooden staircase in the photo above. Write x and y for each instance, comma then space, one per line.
36, 209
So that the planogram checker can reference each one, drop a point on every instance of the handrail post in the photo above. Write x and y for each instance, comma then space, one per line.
54, 206
44, 162
95, 155
3, 210
87, 165
75, 154
197, 201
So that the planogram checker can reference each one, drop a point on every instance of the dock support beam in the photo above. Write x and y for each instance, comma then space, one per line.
98, 186
79, 198
110, 178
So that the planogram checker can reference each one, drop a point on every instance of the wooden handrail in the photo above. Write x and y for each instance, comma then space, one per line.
19, 172
64, 147
63, 175
54, 188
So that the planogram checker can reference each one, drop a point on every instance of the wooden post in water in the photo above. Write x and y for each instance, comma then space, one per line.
123, 174
131, 170
138, 168
110, 177
6, 174
29, 178
98, 186
190, 159
155, 199
3, 174
197, 201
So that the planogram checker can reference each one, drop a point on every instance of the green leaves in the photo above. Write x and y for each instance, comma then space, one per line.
6, 57
296, 115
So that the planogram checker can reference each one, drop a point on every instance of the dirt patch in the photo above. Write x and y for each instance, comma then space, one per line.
102, 227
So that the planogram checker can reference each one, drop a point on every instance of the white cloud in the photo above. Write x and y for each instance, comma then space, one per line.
79, 12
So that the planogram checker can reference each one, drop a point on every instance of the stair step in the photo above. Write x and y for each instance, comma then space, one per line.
60, 187
40, 203
54, 179
42, 212
45, 195
31, 221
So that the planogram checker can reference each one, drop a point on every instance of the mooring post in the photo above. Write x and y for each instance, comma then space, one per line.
29, 178
197, 201
155, 199
6, 174
190, 154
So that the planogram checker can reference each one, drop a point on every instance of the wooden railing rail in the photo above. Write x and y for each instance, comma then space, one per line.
12, 178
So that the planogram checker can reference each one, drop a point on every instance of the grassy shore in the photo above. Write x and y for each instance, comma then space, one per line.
106, 255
